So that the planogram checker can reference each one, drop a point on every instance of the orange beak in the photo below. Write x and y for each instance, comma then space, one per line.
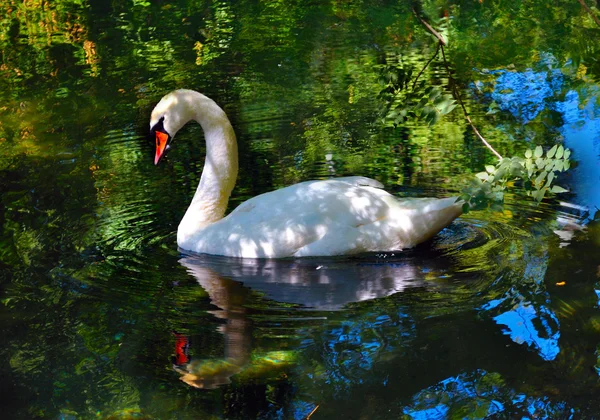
161, 145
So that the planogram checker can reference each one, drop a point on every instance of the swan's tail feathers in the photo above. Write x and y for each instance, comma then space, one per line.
430, 216
452, 205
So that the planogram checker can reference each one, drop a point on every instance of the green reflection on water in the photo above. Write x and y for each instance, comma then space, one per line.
93, 287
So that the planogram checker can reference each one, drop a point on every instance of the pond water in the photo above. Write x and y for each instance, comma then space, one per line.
103, 317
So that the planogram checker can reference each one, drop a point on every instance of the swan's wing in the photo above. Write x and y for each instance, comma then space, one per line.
330, 217
402, 224
280, 222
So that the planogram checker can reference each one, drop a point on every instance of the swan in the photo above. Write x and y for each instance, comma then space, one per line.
339, 216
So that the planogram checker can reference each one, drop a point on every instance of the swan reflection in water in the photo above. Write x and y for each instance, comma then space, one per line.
230, 297
321, 285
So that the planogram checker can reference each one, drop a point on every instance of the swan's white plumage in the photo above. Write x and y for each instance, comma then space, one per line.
337, 216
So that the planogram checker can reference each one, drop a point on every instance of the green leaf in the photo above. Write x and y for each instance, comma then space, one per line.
482, 175
528, 153
439, 101
538, 195
434, 94
567, 154
550, 179
499, 174
558, 165
516, 169
559, 152
566, 165
450, 107
538, 152
557, 189
541, 177
495, 196
490, 168
465, 208
497, 207
540, 162
552, 151
530, 172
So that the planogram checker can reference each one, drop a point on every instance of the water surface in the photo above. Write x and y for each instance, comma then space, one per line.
103, 317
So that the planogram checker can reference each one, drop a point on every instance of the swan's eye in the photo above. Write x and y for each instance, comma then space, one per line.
159, 126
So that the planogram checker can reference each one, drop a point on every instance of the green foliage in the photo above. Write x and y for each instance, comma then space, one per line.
536, 171
403, 101
87, 309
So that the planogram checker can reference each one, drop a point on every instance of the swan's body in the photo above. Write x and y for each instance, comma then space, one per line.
339, 216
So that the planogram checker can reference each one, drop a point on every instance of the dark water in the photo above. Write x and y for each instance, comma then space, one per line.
102, 316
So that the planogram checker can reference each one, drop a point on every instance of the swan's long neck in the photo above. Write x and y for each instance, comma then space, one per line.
220, 166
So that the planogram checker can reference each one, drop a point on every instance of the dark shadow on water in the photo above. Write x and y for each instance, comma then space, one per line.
323, 283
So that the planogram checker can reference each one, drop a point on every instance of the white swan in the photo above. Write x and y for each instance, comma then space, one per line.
339, 216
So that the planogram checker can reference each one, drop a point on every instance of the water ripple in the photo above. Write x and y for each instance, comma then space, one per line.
130, 211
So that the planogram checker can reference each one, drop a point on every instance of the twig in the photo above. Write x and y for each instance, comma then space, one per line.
426, 65
590, 11
462, 105
429, 28
489, 146
312, 412
442, 44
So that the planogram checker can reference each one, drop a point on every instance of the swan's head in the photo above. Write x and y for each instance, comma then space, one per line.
168, 116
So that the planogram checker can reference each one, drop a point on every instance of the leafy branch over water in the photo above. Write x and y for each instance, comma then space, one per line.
420, 102
537, 170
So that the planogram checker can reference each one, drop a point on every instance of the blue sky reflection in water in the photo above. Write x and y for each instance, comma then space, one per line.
581, 133
476, 394
526, 94
102, 317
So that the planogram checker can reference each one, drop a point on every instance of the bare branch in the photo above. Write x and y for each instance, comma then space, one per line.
312, 412
426, 65
590, 11
429, 28
441, 44
462, 105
